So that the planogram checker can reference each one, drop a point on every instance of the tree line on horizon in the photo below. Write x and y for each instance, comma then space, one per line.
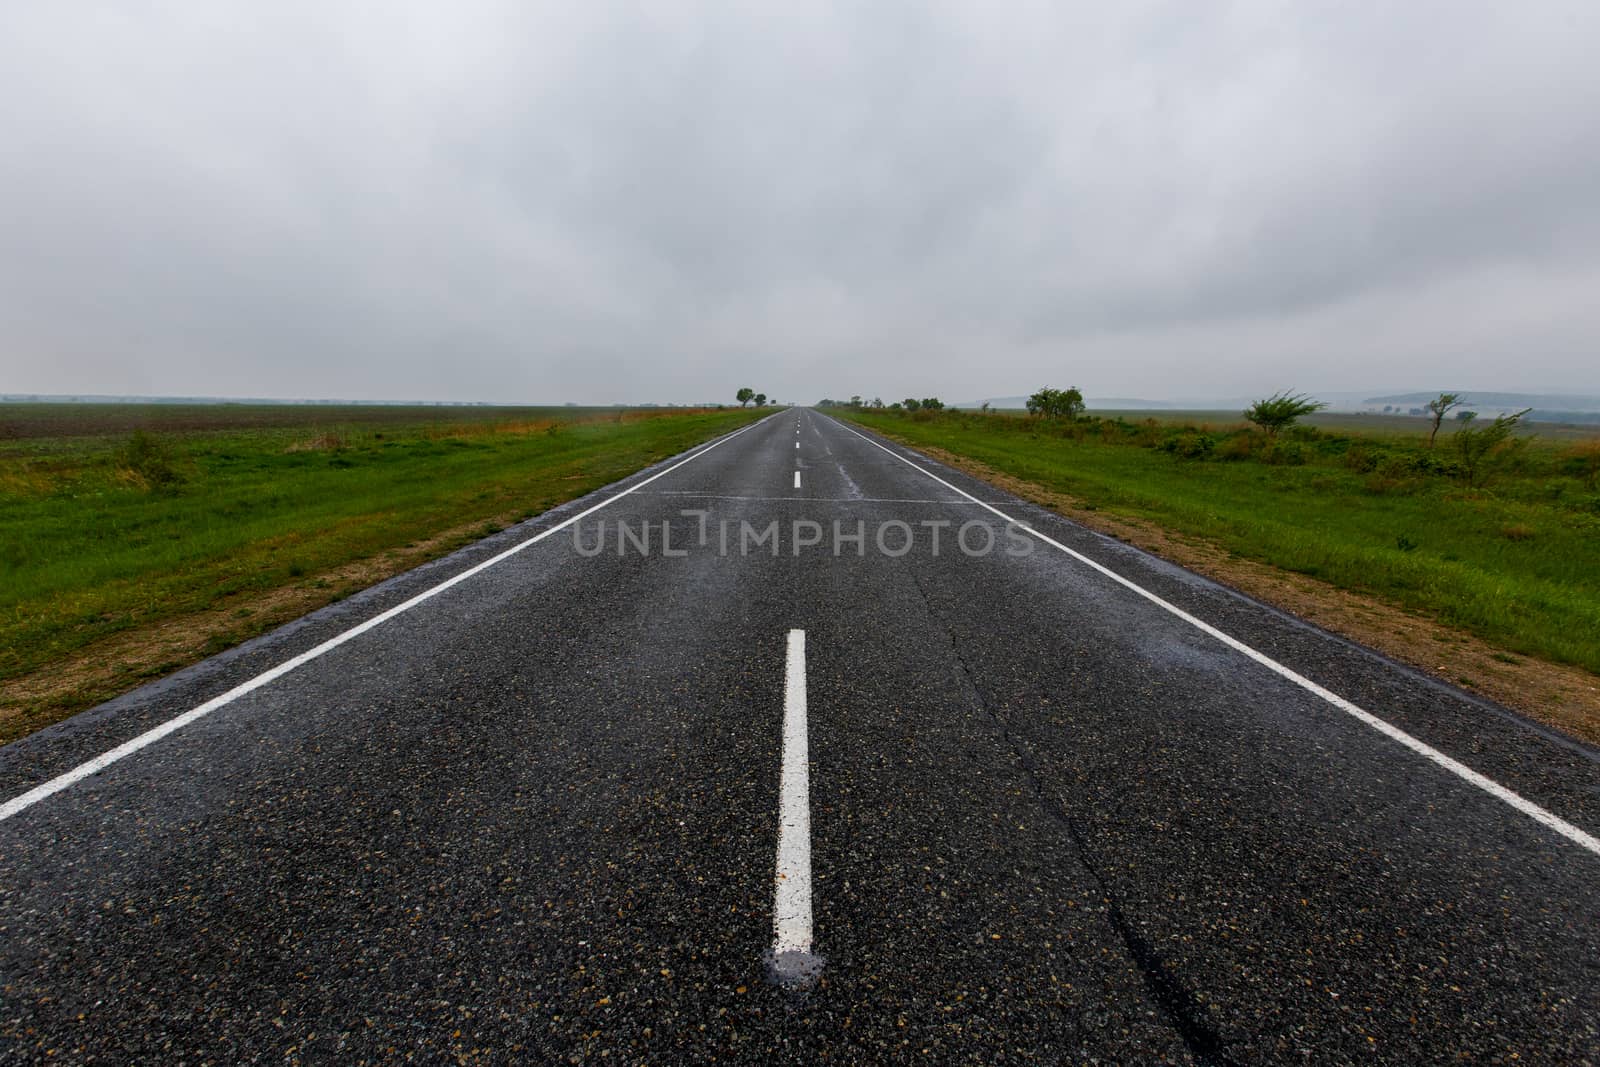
1272, 414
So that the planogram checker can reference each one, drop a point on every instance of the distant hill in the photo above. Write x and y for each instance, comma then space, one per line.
1494, 401
1546, 407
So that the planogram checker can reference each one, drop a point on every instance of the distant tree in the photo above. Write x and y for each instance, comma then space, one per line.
897, 406
1479, 447
932, 403
911, 403
855, 401
1056, 403
1438, 408
877, 401
761, 400
1466, 416
745, 395
1280, 410
984, 406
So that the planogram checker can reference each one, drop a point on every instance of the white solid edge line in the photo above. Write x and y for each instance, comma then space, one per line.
27, 800
1461, 770
791, 905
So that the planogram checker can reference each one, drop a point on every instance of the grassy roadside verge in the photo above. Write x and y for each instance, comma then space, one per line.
127, 552
1481, 585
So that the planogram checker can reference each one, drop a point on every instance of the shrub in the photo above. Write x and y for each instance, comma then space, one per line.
1284, 453
1432, 463
1280, 410
1190, 445
1584, 462
1148, 434
151, 460
1480, 450
1237, 447
1071, 431
1361, 458
1116, 430
1056, 403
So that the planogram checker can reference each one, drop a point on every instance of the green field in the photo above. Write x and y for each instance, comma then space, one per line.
119, 517
1355, 422
1511, 555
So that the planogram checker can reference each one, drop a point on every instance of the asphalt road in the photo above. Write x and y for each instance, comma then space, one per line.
535, 817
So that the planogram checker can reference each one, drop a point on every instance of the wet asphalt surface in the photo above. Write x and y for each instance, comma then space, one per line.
533, 819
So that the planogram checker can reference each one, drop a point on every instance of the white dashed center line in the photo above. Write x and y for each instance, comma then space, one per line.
793, 963
797, 479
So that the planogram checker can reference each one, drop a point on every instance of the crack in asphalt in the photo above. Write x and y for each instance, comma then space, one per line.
1176, 1001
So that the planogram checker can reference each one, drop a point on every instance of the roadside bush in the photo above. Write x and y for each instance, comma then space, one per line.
1117, 430
1327, 444
1584, 462
1362, 459
150, 461
1393, 476
1071, 431
1396, 467
1190, 445
1283, 453
1238, 447
1433, 463
1481, 450
1148, 434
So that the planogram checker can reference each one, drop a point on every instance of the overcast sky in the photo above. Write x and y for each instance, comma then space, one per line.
597, 203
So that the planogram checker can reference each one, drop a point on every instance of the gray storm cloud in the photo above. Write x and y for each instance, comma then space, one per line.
597, 202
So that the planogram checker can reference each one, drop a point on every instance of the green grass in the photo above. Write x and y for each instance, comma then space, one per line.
115, 517
1514, 559
1356, 422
